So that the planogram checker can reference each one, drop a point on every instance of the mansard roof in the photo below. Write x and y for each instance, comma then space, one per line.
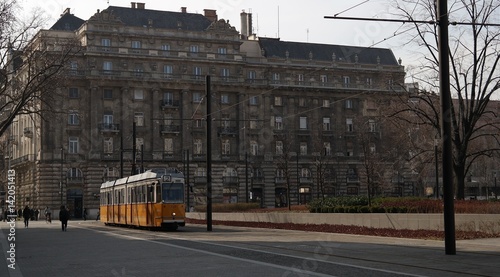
67, 22
159, 19
272, 47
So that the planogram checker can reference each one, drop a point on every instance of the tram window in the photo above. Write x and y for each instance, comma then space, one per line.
173, 193
129, 195
158, 193
122, 199
150, 193
108, 197
133, 195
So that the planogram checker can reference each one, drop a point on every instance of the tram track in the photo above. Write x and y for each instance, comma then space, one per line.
312, 252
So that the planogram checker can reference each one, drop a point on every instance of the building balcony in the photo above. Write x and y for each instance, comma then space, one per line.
258, 180
169, 104
109, 127
170, 129
23, 159
305, 180
230, 180
200, 179
280, 180
74, 180
227, 131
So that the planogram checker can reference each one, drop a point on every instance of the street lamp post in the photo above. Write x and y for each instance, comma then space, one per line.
437, 168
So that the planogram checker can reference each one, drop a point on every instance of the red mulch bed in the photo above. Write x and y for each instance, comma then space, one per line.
355, 230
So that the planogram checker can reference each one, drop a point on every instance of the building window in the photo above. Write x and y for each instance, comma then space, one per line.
254, 148
165, 47
138, 94
369, 82
326, 103
73, 145
252, 75
197, 72
303, 123
278, 101
278, 123
136, 44
107, 94
303, 148
279, 147
372, 126
302, 102
349, 124
73, 118
327, 149
346, 81
254, 100
305, 173
348, 103
300, 78
352, 191
107, 118
222, 50
323, 78
73, 66
168, 70
168, 99
224, 99
107, 67
349, 150
253, 123
108, 145
200, 172
276, 78
139, 119
169, 146
194, 49
373, 148
224, 73
326, 124
139, 144
197, 147
226, 147
105, 42
73, 93
197, 97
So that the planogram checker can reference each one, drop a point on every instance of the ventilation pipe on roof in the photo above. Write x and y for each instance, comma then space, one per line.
132, 5
246, 24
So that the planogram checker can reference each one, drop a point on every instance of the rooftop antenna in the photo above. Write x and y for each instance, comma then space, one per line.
278, 21
307, 30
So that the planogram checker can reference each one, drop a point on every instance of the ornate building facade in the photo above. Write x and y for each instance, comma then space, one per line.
287, 116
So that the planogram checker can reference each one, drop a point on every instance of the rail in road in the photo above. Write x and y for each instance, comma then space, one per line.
89, 248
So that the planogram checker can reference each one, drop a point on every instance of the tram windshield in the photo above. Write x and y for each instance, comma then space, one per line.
172, 193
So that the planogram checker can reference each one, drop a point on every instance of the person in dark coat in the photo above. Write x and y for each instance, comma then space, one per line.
64, 217
26, 216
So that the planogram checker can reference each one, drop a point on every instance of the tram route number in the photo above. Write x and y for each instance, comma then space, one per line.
167, 178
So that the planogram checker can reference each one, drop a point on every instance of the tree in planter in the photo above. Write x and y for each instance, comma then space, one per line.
474, 57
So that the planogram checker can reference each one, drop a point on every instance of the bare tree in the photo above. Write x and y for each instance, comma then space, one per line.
32, 63
474, 57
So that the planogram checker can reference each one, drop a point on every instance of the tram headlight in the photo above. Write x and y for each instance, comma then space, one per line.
173, 214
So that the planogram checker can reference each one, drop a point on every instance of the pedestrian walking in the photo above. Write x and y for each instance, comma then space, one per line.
64, 217
84, 213
26, 216
98, 215
37, 212
48, 215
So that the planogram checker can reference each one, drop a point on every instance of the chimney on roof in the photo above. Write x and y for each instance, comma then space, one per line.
132, 5
141, 6
66, 11
183, 10
211, 14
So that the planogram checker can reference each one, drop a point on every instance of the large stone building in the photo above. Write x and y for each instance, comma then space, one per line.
286, 116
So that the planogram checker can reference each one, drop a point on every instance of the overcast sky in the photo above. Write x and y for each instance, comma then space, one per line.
291, 20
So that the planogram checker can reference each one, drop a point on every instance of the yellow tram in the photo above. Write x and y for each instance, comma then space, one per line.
153, 199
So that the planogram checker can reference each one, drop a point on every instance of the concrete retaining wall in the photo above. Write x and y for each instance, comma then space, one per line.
489, 223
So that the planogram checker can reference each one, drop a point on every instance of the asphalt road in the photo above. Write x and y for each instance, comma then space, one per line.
89, 248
